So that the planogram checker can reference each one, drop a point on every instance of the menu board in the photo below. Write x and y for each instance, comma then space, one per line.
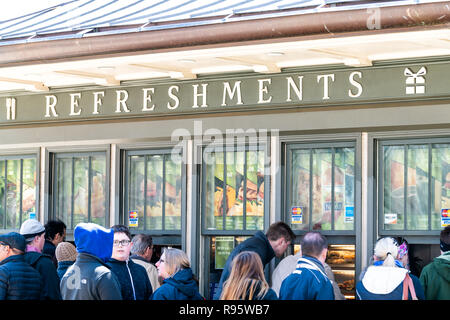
224, 247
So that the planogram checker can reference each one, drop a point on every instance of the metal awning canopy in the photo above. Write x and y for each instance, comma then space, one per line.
109, 42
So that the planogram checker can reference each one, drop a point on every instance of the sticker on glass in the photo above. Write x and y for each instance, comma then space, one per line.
390, 218
445, 218
133, 219
349, 214
297, 215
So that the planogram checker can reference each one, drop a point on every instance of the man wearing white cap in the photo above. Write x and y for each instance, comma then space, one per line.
34, 234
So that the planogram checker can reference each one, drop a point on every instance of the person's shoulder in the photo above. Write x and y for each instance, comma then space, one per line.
270, 295
39, 259
164, 292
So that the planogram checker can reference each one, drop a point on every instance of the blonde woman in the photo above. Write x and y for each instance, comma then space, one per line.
178, 284
246, 281
386, 278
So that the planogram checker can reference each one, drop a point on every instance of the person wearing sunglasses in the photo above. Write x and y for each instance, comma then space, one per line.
133, 278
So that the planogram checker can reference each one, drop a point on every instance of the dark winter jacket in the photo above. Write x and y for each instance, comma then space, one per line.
133, 279
386, 283
181, 286
49, 249
435, 278
62, 267
259, 244
18, 280
308, 282
89, 278
270, 294
44, 265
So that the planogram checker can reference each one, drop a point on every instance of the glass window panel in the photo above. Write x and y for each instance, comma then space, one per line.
243, 200
154, 201
172, 200
29, 187
2, 193
300, 190
394, 185
63, 198
440, 183
344, 182
214, 190
98, 190
13, 194
258, 207
251, 193
417, 189
322, 175
136, 189
235, 191
81, 190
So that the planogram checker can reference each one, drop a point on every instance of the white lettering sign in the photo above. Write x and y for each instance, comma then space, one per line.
203, 95
227, 91
50, 103
263, 90
74, 103
10, 109
122, 97
148, 99
98, 101
326, 78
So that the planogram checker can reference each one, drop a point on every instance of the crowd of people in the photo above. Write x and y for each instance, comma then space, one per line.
109, 264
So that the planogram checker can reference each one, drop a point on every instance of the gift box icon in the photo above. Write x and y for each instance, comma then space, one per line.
415, 82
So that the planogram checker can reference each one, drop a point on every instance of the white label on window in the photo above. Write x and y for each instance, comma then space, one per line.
390, 218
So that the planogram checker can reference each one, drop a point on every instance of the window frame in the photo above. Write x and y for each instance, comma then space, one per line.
404, 142
225, 148
288, 149
163, 235
20, 155
53, 155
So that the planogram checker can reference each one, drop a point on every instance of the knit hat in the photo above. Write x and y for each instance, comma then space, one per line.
31, 228
13, 240
65, 251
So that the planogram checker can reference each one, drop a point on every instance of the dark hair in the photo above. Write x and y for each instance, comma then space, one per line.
313, 243
123, 229
54, 227
445, 235
140, 243
280, 229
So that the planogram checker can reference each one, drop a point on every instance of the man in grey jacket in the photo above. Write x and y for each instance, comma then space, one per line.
90, 278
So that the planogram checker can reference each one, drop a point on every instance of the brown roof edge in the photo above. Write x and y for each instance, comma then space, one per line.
332, 24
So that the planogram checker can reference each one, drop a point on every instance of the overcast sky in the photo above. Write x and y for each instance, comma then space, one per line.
18, 8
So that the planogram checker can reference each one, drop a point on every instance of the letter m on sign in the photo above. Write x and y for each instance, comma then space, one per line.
10, 109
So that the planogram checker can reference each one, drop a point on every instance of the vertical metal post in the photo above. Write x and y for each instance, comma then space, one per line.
333, 167
21, 193
89, 187
72, 197
146, 160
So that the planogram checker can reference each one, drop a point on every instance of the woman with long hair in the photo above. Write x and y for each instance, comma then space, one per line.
387, 279
179, 283
247, 281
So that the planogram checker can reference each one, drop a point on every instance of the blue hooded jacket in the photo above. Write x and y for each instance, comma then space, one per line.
181, 286
94, 239
90, 278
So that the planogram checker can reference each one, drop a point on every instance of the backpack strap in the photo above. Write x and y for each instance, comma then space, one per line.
408, 284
